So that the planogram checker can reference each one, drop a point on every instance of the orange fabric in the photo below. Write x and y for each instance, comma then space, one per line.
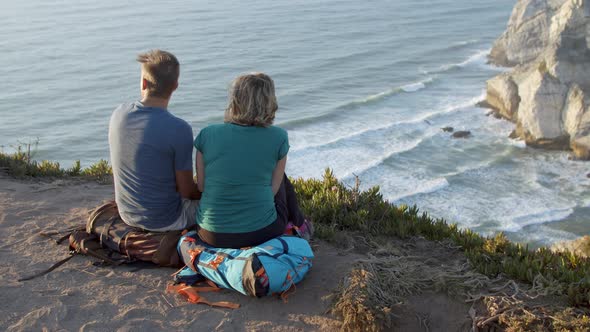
194, 254
260, 272
189, 239
192, 295
174, 288
288, 279
215, 263
206, 289
288, 292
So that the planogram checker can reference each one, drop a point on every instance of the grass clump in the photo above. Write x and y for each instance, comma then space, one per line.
22, 164
512, 313
376, 289
580, 247
358, 304
335, 208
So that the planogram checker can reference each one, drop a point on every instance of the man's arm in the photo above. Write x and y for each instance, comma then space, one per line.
186, 186
183, 164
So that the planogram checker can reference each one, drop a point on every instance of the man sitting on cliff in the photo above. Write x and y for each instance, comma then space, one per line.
151, 153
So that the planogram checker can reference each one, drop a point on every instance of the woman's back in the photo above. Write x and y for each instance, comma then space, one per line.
239, 163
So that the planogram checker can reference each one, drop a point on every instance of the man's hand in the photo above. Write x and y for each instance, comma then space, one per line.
186, 186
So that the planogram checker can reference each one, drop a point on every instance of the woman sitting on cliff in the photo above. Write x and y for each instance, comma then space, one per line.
247, 199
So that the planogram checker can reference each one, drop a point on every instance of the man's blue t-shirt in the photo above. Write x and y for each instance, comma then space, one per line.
147, 146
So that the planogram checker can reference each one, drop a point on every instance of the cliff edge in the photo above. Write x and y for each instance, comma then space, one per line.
547, 93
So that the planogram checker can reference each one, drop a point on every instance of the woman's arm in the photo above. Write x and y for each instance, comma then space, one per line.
200, 165
277, 175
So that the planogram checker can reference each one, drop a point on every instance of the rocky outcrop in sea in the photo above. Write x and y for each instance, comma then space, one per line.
547, 93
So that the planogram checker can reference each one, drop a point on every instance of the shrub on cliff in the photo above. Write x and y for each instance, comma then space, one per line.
21, 164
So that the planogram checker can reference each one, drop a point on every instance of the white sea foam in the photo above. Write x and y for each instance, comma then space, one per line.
518, 143
424, 118
545, 235
408, 88
477, 58
420, 187
465, 42
544, 188
362, 167
413, 87
340, 138
349, 158
515, 223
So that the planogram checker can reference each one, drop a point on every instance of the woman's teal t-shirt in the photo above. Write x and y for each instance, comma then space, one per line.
239, 162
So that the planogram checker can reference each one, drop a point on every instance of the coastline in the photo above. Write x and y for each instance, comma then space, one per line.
373, 108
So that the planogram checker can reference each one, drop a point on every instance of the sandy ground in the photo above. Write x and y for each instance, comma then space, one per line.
81, 296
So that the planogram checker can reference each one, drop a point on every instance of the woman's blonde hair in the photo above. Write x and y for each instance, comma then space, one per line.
252, 101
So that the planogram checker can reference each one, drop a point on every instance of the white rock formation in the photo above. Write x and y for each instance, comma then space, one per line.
547, 94
503, 95
527, 34
542, 98
573, 111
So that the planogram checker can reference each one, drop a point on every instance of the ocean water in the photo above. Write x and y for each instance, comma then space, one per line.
363, 86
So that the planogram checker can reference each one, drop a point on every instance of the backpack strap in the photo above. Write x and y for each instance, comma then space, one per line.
66, 233
87, 249
105, 230
53, 267
191, 293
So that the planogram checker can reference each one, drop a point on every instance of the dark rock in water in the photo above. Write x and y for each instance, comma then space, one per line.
495, 114
559, 143
483, 104
588, 175
448, 129
461, 134
514, 134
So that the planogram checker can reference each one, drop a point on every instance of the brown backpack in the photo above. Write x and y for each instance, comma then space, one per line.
107, 238
134, 243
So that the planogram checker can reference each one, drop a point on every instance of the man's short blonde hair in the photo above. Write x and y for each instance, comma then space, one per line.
252, 101
160, 70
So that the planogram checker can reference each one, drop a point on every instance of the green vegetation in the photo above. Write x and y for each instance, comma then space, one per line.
21, 164
335, 208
